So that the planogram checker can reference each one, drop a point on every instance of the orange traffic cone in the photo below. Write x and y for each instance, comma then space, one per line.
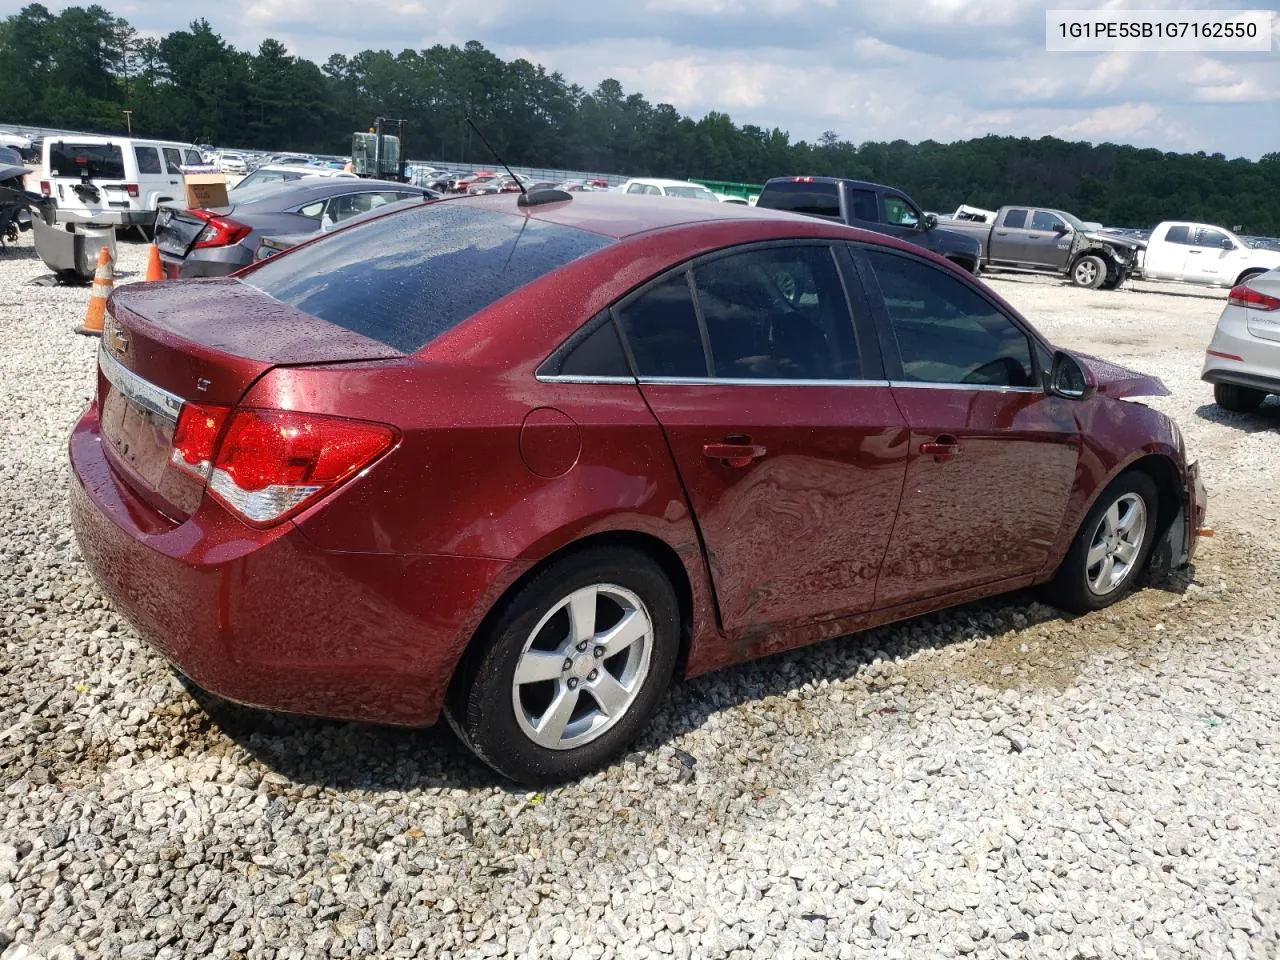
154, 270
104, 279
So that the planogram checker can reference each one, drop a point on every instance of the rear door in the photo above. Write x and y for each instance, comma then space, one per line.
786, 438
1009, 236
88, 179
992, 456
1166, 256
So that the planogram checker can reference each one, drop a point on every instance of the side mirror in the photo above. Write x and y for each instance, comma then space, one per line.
1227, 244
930, 221
1061, 228
1069, 379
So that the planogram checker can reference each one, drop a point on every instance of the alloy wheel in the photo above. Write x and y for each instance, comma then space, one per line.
1116, 544
582, 666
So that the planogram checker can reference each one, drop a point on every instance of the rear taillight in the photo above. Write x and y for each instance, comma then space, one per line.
131, 189
46, 188
1245, 296
218, 231
271, 463
195, 439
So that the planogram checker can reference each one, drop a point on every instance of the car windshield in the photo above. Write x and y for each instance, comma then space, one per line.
407, 278
1076, 222
691, 193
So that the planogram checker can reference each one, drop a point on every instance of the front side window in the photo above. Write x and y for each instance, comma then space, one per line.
148, 159
946, 332
1210, 238
173, 160
636, 188
899, 213
1044, 220
192, 158
661, 328
777, 313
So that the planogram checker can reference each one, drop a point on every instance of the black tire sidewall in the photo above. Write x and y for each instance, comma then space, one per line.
1237, 399
1071, 587
1099, 279
484, 709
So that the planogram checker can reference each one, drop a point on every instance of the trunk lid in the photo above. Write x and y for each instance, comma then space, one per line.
177, 230
1264, 324
203, 342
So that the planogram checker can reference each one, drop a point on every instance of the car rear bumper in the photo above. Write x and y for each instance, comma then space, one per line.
267, 619
1238, 357
207, 262
107, 218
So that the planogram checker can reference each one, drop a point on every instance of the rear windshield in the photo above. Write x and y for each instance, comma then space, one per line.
102, 161
815, 199
407, 278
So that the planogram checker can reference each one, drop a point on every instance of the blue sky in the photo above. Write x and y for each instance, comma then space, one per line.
868, 69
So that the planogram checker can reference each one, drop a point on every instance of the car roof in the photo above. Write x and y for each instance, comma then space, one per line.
861, 184
92, 138
621, 215
301, 168
318, 188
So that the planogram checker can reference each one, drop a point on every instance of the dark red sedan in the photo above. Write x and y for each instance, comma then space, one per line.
524, 463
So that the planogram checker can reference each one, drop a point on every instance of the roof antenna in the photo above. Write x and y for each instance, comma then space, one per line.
526, 198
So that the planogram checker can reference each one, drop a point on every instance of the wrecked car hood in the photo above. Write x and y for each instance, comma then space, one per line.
1119, 382
1114, 241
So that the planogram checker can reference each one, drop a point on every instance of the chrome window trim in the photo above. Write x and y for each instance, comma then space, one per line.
146, 395
755, 382
569, 378
989, 387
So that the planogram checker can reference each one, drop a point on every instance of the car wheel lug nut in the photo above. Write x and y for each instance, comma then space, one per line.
568, 663
593, 674
573, 683
582, 646
599, 652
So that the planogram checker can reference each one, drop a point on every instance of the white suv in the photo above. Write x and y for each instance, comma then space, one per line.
114, 180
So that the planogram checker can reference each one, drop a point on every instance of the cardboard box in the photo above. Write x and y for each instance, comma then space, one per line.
205, 190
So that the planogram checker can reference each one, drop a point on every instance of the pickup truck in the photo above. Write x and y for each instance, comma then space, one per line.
1052, 241
1199, 253
870, 206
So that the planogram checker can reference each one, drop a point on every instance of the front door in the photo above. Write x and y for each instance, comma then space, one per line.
992, 457
1048, 241
1208, 260
791, 459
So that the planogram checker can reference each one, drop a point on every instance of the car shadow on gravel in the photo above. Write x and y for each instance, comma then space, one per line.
1012, 652
1266, 417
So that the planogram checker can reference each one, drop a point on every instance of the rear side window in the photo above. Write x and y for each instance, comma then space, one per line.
406, 279
1178, 235
777, 313
862, 206
596, 354
1015, 219
148, 159
815, 199
661, 327
101, 161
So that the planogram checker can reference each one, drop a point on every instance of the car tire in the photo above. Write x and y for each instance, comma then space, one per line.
511, 723
1238, 399
1090, 272
1120, 529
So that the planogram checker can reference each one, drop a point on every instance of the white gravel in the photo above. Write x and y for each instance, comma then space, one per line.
997, 781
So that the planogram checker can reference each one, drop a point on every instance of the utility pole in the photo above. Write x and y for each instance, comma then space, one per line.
128, 120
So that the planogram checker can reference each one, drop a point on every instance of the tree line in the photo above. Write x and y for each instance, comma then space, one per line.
83, 67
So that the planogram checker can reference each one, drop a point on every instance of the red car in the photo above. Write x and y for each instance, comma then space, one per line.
524, 462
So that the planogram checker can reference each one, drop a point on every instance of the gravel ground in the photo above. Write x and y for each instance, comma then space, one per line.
995, 781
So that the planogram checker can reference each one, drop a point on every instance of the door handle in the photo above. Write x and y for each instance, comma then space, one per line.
734, 454
943, 449
1194, 253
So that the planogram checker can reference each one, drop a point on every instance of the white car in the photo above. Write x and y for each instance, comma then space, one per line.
115, 181
233, 164
1243, 359
1200, 253
668, 188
